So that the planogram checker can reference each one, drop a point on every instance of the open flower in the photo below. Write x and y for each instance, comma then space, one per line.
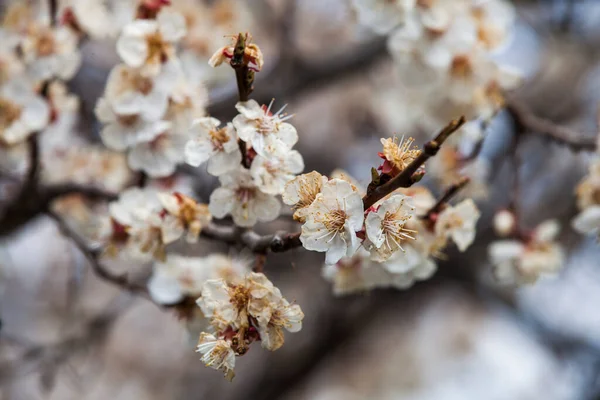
408, 266
386, 227
240, 197
332, 221
136, 225
523, 262
272, 174
283, 316
148, 44
217, 354
179, 276
252, 55
267, 133
129, 93
184, 213
50, 52
122, 131
397, 155
159, 157
22, 112
216, 145
458, 223
301, 191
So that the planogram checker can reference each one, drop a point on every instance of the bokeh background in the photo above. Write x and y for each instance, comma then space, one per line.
68, 335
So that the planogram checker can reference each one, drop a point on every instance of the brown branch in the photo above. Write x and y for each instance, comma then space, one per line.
530, 122
37, 200
450, 192
406, 178
277, 243
53, 11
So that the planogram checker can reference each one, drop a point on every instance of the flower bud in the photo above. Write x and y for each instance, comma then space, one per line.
504, 223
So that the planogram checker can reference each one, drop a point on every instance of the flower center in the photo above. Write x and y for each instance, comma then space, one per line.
156, 48
334, 220
394, 230
219, 137
461, 67
239, 296
45, 44
400, 154
245, 194
128, 120
9, 112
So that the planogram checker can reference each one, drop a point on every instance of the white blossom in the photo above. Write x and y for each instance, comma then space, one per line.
122, 131
160, 157
272, 174
332, 221
180, 276
217, 354
458, 223
267, 133
252, 54
283, 316
587, 222
183, 213
22, 112
50, 52
523, 262
148, 44
301, 191
216, 145
386, 227
129, 93
240, 197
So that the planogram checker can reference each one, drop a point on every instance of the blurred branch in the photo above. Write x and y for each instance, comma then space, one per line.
52, 356
34, 200
450, 192
93, 259
278, 242
524, 117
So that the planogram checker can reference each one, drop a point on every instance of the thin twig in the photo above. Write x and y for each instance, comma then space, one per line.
405, 178
522, 115
450, 192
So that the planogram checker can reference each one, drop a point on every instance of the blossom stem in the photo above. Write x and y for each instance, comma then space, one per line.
450, 192
53, 11
405, 178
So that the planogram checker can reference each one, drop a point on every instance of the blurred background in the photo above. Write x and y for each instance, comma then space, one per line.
66, 334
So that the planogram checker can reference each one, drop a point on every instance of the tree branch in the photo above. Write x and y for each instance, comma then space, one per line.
405, 178
450, 192
524, 117
93, 259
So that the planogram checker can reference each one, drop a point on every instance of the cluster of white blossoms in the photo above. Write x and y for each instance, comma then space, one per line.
144, 221
523, 258
33, 53
150, 102
393, 242
587, 221
444, 47
240, 313
250, 182
443, 55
